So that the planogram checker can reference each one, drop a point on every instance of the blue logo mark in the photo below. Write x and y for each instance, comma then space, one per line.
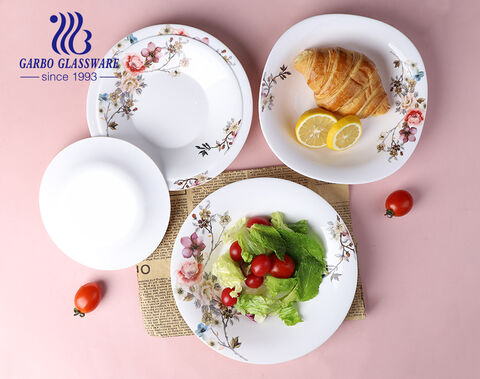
74, 23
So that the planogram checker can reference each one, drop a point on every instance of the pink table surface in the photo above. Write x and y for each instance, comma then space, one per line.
420, 272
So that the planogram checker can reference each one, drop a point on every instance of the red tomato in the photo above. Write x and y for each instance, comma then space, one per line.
282, 269
261, 265
271, 256
257, 220
236, 252
398, 203
86, 299
227, 299
254, 281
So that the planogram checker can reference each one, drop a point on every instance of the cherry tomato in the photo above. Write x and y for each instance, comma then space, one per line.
272, 260
254, 281
227, 299
398, 203
236, 252
257, 220
261, 265
282, 269
86, 299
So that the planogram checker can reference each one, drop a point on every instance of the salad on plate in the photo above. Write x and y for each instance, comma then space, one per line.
270, 267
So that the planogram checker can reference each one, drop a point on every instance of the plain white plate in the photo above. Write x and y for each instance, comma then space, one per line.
197, 292
104, 203
284, 96
190, 111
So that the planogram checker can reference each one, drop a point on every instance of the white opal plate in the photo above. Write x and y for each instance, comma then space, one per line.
388, 141
197, 292
183, 102
104, 203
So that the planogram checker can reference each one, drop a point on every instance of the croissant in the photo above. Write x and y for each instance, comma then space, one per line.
343, 81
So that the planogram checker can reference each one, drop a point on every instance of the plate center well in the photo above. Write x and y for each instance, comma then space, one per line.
176, 112
100, 205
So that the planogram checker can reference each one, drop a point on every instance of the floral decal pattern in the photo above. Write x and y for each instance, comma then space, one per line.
196, 285
130, 74
197, 180
205, 222
167, 29
338, 231
230, 130
408, 104
267, 84
124, 43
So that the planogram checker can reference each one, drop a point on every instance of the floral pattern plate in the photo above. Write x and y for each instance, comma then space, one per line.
197, 291
178, 94
387, 141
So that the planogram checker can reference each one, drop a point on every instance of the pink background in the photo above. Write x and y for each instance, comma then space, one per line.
420, 272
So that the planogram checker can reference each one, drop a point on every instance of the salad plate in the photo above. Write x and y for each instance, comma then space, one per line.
104, 203
197, 283
387, 141
180, 95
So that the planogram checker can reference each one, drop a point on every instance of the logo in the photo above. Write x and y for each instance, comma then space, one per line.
64, 39
69, 39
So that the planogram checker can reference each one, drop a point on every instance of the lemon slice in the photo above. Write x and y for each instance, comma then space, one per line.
344, 134
313, 126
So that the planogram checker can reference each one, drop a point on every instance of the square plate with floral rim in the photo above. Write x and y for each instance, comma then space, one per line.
197, 291
387, 141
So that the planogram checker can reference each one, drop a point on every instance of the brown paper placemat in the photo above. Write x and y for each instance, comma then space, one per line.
160, 313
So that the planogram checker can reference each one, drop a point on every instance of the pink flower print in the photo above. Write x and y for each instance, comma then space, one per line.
152, 53
190, 272
414, 117
205, 40
180, 32
133, 64
408, 134
193, 245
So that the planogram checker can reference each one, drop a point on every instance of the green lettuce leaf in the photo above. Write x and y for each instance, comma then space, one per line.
299, 227
277, 287
228, 273
279, 300
276, 220
258, 305
308, 253
289, 315
269, 238
250, 246
262, 306
260, 239
300, 245
229, 236
309, 274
